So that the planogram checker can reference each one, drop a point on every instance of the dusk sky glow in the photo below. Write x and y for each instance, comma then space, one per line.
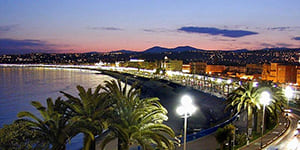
96, 25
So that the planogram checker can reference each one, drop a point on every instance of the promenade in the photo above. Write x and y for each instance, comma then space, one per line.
271, 136
209, 142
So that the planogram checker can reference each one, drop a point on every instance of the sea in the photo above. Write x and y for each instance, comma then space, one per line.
21, 85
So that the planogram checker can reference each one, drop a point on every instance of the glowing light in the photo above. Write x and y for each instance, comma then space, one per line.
265, 98
288, 92
229, 81
186, 107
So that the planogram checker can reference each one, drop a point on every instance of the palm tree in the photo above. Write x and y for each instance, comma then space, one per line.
55, 128
136, 121
245, 97
224, 135
278, 99
90, 109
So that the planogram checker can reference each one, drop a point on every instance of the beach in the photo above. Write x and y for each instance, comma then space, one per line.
210, 109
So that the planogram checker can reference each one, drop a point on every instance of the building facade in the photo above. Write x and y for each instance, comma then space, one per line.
172, 65
213, 69
198, 67
186, 68
281, 73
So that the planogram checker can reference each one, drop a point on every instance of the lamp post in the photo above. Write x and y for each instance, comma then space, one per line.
288, 94
264, 100
186, 109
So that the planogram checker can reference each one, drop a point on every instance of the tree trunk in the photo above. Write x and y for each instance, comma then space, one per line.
249, 125
255, 119
259, 121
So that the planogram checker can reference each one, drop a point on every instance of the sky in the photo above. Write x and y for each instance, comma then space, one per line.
107, 25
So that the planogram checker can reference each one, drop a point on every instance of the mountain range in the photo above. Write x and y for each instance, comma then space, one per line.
152, 50
158, 49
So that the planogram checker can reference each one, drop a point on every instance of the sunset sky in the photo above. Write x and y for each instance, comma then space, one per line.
106, 25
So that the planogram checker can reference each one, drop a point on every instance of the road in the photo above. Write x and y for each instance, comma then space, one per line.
288, 141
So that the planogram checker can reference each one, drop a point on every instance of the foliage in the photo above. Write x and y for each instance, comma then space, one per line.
90, 110
18, 136
133, 121
240, 139
136, 121
224, 135
55, 128
244, 97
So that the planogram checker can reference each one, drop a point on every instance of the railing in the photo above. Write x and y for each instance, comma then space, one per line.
197, 135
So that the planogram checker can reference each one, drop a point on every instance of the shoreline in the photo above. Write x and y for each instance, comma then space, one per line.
210, 108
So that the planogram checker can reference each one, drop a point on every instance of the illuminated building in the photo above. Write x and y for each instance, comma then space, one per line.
236, 69
277, 72
186, 68
253, 69
298, 76
266, 71
172, 65
212, 69
198, 67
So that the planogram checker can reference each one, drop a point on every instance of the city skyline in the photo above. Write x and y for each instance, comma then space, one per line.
77, 26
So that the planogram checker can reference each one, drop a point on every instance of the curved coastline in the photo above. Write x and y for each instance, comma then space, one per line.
210, 108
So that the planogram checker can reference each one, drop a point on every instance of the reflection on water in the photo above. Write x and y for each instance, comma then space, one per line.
20, 86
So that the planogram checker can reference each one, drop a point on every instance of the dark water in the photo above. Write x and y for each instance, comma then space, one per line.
20, 86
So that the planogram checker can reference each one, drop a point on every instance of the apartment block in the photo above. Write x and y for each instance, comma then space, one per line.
186, 68
212, 69
198, 67
281, 73
172, 65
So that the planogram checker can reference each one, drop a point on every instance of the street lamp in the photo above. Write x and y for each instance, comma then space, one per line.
288, 94
229, 81
264, 100
255, 84
186, 109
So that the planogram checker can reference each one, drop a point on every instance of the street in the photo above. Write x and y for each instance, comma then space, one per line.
288, 141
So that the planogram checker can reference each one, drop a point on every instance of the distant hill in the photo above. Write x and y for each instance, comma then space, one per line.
158, 49
22, 51
276, 49
239, 51
123, 51
92, 53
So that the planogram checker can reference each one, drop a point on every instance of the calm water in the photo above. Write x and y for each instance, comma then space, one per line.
20, 86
